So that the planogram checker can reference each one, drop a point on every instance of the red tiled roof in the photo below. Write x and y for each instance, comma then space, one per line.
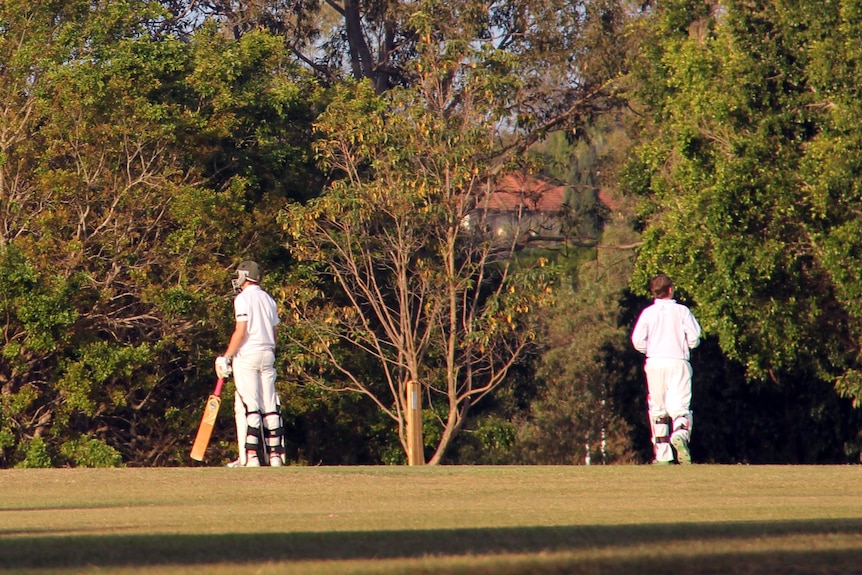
531, 192
606, 199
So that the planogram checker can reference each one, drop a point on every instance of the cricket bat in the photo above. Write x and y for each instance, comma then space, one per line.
205, 429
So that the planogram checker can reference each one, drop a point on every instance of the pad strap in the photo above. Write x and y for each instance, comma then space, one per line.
662, 429
252, 439
273, 432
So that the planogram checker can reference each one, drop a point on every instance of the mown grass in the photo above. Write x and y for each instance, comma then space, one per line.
479, 520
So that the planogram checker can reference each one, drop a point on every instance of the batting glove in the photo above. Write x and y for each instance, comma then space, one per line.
223, 367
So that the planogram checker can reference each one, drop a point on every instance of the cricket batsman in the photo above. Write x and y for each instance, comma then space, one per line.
250, 357
666, 332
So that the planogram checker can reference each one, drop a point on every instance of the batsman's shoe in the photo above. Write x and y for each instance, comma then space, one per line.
683, 455
253, 462
234, 463
275, 461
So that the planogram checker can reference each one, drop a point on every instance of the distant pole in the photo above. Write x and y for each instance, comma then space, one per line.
415, 447
604, 435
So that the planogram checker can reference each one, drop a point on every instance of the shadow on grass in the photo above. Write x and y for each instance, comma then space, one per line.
30, 550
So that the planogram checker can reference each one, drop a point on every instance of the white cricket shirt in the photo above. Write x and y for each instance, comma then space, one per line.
666, 329
257, 308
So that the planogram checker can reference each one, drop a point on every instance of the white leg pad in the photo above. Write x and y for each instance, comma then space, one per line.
682, 425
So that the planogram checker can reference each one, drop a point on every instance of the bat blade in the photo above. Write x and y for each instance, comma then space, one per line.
205, 429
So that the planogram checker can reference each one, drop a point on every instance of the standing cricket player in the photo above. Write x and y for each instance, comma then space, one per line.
665, 332
250, 356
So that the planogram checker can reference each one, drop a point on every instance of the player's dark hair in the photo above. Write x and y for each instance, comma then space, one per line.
660, 285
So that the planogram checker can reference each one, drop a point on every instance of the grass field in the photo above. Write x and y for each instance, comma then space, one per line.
472, 520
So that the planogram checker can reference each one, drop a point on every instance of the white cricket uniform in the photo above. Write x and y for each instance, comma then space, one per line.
253, 366
665, 332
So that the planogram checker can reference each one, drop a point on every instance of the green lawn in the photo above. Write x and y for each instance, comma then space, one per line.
472, 520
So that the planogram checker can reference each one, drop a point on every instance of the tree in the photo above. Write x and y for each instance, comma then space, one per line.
421, 289
73, 231
588, 386
576, 418
563, 44
749, 179
424, 297
116, 216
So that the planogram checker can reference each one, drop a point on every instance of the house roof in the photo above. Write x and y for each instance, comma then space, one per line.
608, 200
522, 190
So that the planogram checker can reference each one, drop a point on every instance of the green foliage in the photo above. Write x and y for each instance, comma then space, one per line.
750, 175
90, 452
118, 215
98, 369
416, 295
582, 376
254, 113
36, 454
332, 428
494, 439
850, 385
39, 309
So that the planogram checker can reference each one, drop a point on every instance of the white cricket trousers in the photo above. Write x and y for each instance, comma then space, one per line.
254, 376
669, 395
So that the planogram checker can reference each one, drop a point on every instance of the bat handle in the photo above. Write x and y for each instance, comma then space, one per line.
218, 386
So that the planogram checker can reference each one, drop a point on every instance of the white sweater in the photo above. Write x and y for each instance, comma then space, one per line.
666, 329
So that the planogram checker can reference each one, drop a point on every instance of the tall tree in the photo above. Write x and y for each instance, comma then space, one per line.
421, 289
750, 178
562, 43
424, 297
585, 374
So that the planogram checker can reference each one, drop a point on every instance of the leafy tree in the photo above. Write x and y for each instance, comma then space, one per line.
830, 174
739, 206
589, 404
421, 289
59, 240
333, 428
576, 417
419, 293
749, 174
117, 216
253, 109
564, 47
